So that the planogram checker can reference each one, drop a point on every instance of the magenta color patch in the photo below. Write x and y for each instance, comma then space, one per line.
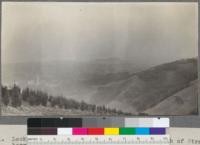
79, 131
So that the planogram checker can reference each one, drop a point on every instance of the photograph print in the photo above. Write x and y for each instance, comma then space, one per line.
99, 59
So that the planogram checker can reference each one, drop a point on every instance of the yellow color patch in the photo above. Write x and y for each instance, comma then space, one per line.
111, 131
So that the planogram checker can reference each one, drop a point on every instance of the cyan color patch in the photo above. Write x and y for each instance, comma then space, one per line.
142, 131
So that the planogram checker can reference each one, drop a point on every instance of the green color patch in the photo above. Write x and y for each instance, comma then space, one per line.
127, 131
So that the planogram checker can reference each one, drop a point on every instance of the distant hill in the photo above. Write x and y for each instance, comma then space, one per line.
144, 90
74, 79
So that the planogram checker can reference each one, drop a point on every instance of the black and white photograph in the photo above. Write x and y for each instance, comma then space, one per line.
99, 59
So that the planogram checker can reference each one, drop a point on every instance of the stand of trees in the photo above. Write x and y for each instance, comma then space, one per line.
15, 96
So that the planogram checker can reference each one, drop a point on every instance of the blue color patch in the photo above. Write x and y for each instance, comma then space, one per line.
142, 131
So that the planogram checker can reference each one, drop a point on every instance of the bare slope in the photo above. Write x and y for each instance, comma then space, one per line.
183, 102
148, 88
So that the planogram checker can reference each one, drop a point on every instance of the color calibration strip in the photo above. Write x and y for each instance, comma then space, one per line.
98, 122
96, 131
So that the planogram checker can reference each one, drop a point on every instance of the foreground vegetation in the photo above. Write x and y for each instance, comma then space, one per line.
15, 97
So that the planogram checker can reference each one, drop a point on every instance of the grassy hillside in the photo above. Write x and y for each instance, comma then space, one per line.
148, 88
183, 101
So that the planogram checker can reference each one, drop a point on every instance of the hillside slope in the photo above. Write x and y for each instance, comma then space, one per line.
185, 101
148, 88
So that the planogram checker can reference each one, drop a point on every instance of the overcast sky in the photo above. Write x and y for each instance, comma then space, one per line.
138, 32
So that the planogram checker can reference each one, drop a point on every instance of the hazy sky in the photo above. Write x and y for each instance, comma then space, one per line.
150, 32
